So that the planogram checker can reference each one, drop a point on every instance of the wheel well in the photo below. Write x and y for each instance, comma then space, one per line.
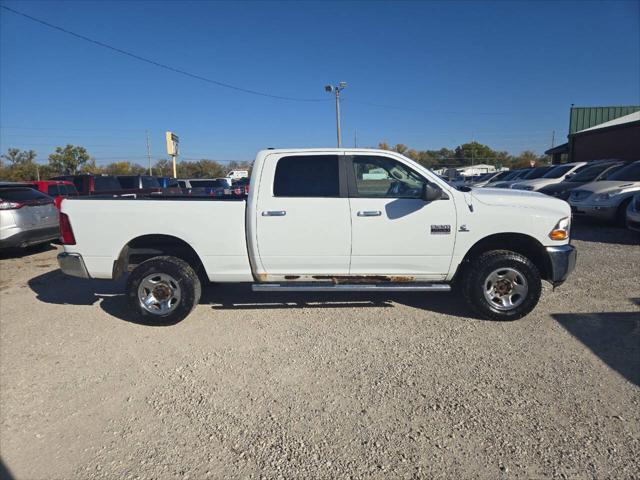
145, 247
515, 242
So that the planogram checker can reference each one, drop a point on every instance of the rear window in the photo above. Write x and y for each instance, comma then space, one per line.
307, 176
22, 194
53, 190
69, 190
106, 183
630, 173
150, 182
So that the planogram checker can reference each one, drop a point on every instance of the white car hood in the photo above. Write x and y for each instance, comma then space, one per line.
519, 198
605, 186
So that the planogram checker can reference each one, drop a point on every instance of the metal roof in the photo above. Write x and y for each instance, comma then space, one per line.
632, 117
582, 118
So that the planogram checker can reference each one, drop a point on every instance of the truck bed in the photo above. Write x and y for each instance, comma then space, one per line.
213, 226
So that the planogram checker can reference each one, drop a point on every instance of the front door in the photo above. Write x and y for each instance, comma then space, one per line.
303, 217
394, 231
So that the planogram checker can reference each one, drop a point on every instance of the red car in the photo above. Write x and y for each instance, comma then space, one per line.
58, 189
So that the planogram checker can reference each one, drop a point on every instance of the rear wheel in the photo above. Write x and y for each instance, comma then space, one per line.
502, 285
163, 290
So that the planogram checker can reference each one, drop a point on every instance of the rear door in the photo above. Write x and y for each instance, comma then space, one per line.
394, 231
303, 219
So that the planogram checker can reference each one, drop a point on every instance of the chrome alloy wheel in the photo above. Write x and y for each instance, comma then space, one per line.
505, 288
159, 293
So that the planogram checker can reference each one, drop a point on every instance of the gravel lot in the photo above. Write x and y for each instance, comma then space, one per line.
323, 386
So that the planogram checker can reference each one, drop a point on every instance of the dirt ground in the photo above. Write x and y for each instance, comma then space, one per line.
258, 385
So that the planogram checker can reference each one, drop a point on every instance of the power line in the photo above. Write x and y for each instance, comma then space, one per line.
413, 109
158, 64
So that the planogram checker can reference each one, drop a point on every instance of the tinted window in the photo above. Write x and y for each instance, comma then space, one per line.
150, 182
170, 183
385, 177
78, 183
22, 194
590, 174
106, 183
126, 182
208, 183
630, 173
307, 176
537, 173
558, 171
68, 190
511, 175
611, 171
182, 184
52, 190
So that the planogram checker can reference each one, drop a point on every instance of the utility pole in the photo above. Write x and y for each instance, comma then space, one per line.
336, 89
146, 132
355, 138
553, 138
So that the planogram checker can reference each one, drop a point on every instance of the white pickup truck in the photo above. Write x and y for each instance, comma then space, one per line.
325, 220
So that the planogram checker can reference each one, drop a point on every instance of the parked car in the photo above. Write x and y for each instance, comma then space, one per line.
490, 177
56, 189
27, 217
168, 182
88, 184
593, 173
140, 183
607, 199
206, 186
552, 175
238, 174
318, 220
508, 180
633, 214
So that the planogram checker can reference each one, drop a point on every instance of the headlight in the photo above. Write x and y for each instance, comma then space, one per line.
561, 230
603, 197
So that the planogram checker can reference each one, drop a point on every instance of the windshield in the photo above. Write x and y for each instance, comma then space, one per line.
150, 182
537, 173
590, 174
630, 173
558, 171
512, 175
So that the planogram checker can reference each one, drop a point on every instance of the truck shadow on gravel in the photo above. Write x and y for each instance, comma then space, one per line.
56, 288
612, 336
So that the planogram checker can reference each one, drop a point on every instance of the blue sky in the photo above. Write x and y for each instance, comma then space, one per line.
439, 74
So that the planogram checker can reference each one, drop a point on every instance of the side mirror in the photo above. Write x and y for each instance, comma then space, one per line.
431, 193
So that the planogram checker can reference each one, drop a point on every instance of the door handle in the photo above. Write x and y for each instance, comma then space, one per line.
369, 213
274, 213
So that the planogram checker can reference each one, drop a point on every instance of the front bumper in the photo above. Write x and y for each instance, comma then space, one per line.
26, 238
72, 264
563, 261
602, 212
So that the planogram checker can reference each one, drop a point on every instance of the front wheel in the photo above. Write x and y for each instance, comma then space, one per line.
163, 290
502, 285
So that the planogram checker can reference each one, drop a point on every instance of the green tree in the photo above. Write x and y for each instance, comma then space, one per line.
21, 165
69, 159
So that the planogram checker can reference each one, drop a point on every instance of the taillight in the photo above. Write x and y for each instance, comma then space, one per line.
66, 232
9, 205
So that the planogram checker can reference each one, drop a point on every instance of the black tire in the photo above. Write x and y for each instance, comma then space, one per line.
477, 273
621, 213
182, 274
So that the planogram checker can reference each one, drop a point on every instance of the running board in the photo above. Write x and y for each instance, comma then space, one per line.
343, 287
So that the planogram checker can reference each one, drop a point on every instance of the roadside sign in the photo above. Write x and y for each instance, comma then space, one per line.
172, 143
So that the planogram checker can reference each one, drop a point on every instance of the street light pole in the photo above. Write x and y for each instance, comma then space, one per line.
336, 89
